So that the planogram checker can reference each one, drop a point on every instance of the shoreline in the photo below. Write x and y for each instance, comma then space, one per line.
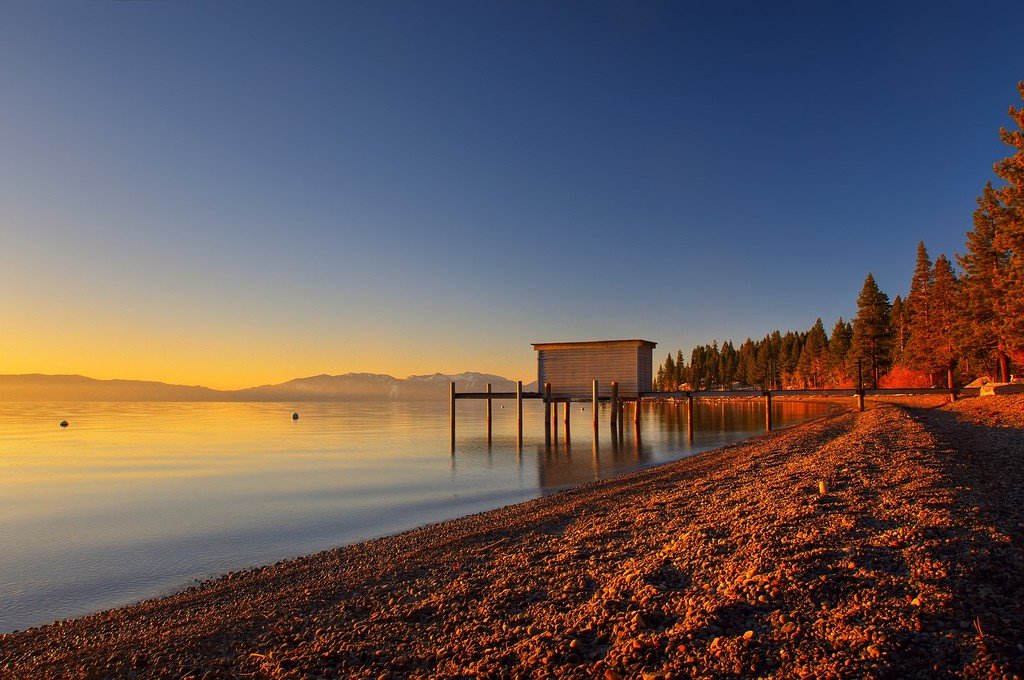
728, 562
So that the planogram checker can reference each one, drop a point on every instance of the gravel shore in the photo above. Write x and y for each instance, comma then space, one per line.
732, 563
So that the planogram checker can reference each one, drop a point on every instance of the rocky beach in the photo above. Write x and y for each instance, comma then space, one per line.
879, 544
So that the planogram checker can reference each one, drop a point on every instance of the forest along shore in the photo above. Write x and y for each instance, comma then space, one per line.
730, 563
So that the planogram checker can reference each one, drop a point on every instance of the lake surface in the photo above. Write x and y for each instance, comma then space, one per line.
136, 500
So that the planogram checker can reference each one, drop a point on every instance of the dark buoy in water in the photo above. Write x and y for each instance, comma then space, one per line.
63, 423
295, 416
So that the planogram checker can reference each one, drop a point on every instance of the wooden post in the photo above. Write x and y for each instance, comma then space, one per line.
565, 416
596, 397
519, 413
689, 417
636, 412
860, 388
547, 413
488, 414
554, 418
615, 404
767, 411
451, 409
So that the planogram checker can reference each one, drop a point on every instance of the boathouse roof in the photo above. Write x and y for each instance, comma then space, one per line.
636, 342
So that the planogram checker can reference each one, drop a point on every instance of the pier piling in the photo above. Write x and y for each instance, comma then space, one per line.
547, 413
689, 418
451, 404
565, 418
615, 405
519, 414
488, 414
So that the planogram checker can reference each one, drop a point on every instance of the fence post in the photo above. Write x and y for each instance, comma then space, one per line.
860, 388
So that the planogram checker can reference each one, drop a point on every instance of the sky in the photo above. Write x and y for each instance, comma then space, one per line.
240, 192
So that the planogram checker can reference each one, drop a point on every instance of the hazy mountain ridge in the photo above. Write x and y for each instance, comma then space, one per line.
346, 387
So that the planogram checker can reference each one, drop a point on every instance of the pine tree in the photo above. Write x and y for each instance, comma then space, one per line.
944, 303
696, 367
813, 356
746, 358
983, 266
670, 374
1009, 237
727, 364
900, 330
918, 347
872, 330
680, 375
839, 350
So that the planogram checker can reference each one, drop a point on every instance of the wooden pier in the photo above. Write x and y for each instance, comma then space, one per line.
618, 405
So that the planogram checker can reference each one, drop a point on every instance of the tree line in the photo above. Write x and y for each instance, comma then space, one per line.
956, 323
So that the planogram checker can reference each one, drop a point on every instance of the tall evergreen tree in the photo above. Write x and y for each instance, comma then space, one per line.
814, 356
747, 357
839, 351
944, 304
872, 330
900, 331
1009, 237
979, 329
670, 374
918, 347
727, 364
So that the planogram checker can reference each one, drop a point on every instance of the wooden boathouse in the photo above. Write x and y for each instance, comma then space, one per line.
618, 372
572, 367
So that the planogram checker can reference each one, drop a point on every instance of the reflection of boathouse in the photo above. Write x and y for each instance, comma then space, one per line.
572, 367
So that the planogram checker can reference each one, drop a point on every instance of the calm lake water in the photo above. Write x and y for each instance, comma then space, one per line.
135, 500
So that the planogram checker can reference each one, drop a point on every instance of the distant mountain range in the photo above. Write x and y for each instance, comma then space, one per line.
347, 387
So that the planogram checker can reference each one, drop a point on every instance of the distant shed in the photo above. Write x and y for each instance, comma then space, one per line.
572, 367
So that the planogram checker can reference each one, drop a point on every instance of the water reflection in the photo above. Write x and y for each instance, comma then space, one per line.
135, 500
573, 456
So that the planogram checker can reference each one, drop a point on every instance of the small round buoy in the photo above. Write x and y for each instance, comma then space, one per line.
63, 423
295, 416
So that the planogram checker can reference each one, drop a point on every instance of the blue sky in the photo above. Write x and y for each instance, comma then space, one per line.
238, 192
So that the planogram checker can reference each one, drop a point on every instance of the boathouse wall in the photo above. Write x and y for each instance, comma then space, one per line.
571, 367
